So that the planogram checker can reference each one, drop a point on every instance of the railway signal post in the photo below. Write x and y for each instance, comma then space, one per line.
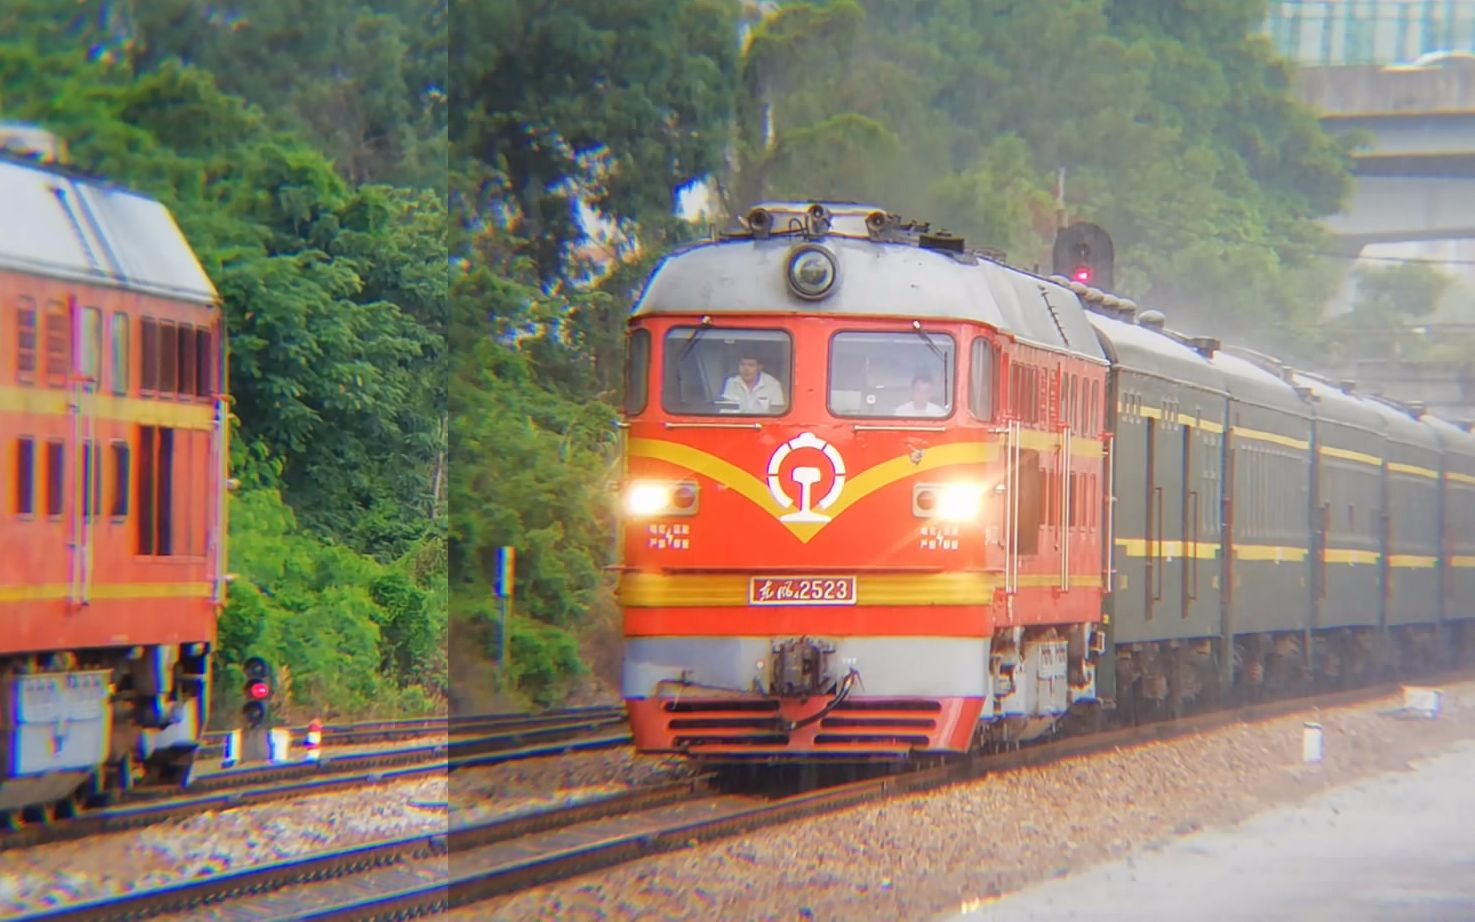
1083, 253
255, 738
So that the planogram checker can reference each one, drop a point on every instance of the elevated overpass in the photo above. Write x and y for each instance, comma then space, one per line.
1416, 168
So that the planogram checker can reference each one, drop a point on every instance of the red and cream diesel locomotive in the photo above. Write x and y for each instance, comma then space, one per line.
887, 497
113, 428
865, 471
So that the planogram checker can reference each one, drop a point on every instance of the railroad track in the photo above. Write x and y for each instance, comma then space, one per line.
417, 875
260, 784
379, 731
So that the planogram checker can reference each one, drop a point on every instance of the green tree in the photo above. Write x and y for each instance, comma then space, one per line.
1388, 303
615, 103
334, 297
1173, 123
558, 107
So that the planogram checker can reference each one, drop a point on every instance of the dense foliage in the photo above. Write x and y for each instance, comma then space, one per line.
1172, 123
334, 293
575, 125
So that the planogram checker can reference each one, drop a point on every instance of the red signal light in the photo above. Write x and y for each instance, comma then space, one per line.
1082, 274
259, 690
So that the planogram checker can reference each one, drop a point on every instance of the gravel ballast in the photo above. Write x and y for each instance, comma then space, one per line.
48, 876
53, 875
918, 856
480, 794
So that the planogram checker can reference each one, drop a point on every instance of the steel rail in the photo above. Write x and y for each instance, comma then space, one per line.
508, 854
373, 875
261, 784
557, 861
375, 731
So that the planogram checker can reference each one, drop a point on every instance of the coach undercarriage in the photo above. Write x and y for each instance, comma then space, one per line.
76, 726
1170, 678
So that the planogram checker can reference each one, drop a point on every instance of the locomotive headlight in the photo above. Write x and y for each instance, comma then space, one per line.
647, 498
811, 271
960, 502
950, 502
644, 498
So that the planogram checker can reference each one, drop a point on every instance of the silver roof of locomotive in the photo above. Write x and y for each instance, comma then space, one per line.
885, 275
80, 229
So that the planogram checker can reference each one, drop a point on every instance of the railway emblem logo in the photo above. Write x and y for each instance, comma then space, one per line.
806, 476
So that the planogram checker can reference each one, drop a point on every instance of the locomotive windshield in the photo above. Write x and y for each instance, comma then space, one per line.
892, 374
711, 371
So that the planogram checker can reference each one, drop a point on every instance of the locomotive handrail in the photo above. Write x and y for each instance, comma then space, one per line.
1191, 584
1011, 569
1065, 510
1109, 459
671, 425
1157, 592
860, 427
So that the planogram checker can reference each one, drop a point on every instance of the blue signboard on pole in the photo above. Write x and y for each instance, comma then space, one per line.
503, 580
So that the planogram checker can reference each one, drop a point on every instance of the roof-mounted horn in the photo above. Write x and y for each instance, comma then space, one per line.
878, 223
816, 220
760, 222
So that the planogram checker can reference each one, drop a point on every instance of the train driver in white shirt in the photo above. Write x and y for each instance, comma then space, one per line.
753, 389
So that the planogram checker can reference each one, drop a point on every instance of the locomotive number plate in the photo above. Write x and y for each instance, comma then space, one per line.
801, 590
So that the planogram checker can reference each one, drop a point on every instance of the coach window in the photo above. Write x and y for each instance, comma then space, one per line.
981, 380
713, 371
25, 341
91, 480
168, 358
637, 372
56, 460
148, 364
25, 476
90, 349
187, 357
56, 345
205, 361
155, 491
118, 335
118, 508
900, 375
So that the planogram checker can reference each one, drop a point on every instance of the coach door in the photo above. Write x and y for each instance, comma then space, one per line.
1165, 540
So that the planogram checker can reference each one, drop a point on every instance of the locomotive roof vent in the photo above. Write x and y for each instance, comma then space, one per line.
1152, 319
1205, 346
1346, 385
1417, 409
940, 240
32, 142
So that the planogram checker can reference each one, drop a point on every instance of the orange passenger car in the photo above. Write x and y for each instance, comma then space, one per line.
112, 460
865, 471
